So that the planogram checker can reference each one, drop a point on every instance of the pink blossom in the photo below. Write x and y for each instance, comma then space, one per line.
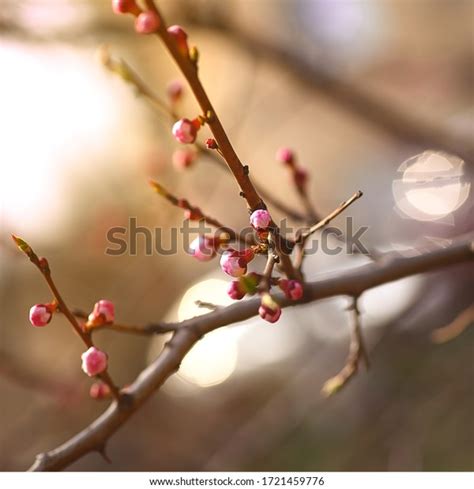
125, 7
211, 143
99, 390
183, 158
292, 289
234, 262
272, 316
203, 248
103, 312
40, 315
269, 309
185, 131
147, 22
94, 361
234, 290
260, 219
181, 38
286, 155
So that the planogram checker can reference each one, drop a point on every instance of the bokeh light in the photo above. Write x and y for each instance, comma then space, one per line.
431, 186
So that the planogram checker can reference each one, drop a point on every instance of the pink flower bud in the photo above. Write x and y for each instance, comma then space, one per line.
234, 290
260, 219
103, 312
211, 143
99, 390
175, 90
125, 7
94, 361
269, 309
185, 131
292, 289
147, 22
183, 158
40, 315
234, 262
181, 38
203, 248
286, 155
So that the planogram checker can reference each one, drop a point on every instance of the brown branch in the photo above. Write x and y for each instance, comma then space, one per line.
455, 328
357, 353
324, 222
139, 329
352, 283
266, 280
197, 215
43, 266
124, 71
302, 237
247, 190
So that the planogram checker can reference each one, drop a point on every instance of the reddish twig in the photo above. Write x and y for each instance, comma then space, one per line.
195, 214
43, 266
357, 352
123, 69
455, 327
240, 172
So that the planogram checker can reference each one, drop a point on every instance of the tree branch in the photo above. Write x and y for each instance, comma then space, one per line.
357, 352
43, 266
352, 283
121, 68
455, 327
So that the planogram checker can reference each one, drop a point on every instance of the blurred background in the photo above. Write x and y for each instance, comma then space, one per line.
373, 95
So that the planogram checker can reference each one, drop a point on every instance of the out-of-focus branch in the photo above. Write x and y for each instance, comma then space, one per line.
15, 371
454, 328
352, 283
400, 123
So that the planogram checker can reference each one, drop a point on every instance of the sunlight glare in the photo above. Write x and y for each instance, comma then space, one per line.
431, 186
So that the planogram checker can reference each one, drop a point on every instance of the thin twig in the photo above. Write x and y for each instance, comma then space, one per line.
139, 329
123, 69
43, 266
455, 327
351, 283
247, 190
197, 215
357, 353
324, 222
266, 280
301, 239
